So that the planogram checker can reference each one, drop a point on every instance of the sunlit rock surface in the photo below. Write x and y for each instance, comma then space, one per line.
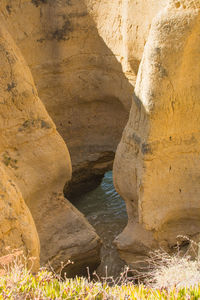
84, 57
35, 166
156, 169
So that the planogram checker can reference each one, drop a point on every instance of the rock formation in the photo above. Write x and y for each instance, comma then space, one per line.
84, 57
156, 169
36, 165
17, 229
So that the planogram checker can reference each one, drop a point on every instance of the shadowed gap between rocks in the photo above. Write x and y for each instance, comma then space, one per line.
85, 91
92, 118
106, 212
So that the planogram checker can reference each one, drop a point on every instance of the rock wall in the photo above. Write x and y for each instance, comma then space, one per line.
156, 167
17, 229
36, 165
84, 56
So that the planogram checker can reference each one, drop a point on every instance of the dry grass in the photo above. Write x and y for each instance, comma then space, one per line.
172, 271
179, 270
170, 277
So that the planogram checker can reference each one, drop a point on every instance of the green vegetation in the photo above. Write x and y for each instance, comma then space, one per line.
45, 285
9, 161
17, 281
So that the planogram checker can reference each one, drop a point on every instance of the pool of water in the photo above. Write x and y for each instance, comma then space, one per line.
106, 212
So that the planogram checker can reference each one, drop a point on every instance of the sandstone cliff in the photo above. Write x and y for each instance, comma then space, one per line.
84, 57
36, 166
156, 168
18, 230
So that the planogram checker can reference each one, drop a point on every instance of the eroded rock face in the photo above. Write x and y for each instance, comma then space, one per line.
156, 169
17, 229
37, 161
84, 57
77, 76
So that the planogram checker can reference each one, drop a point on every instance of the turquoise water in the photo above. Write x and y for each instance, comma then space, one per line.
106, 212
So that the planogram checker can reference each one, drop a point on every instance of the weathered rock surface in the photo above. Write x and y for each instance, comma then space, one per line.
84, 57
156, 169
17, 228
37, 161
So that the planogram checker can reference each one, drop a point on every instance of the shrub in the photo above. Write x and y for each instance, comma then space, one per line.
17, 282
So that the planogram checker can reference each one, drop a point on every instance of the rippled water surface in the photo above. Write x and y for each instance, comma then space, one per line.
106, 211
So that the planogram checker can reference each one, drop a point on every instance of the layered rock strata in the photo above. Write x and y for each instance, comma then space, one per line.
156, 166
36, 164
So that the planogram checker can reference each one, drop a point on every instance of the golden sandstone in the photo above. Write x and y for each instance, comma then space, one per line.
68, 70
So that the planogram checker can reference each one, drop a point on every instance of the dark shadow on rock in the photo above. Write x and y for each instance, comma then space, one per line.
83, 87
81, 84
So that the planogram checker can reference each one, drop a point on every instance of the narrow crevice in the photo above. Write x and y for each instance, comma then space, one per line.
106, 212
88, 175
